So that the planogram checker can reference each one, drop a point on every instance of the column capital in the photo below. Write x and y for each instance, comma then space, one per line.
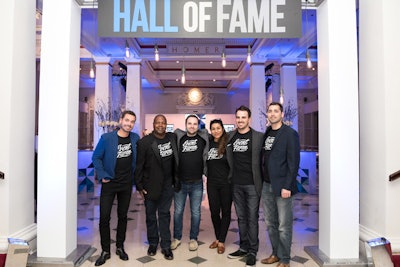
104, 60
133, 61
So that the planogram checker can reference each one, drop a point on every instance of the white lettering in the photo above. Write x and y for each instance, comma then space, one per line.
221, 16
275, 16
261, 19
190, 17
203, 16
238, 19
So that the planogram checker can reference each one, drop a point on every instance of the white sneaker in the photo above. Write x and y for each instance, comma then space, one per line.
193, 245
175, 243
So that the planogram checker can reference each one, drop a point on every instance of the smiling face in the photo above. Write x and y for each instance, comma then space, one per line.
216, 130
192, 126
126, 124
242, 121
160, 126
275, 116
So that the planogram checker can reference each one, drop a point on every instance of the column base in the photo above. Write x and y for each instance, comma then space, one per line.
76, 258
322, 260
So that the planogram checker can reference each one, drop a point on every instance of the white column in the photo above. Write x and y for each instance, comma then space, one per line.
134, 92
58, 129
338, 130
289, 91
379, 122
274, 88
17, 116
257, 97
102, 97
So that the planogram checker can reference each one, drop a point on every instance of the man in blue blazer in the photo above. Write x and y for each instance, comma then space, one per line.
114, 160
281, 163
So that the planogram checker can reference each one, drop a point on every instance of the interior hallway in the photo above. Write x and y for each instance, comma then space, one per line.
305, 234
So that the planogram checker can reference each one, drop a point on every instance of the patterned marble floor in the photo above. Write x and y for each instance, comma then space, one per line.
305, 234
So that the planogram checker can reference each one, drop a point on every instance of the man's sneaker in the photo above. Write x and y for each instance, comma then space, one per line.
237, 254
175, 243
250, 260
193, 245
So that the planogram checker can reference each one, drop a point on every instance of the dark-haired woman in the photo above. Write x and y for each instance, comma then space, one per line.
219, 188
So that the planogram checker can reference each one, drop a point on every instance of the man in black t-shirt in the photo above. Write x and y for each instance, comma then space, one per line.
244, 145
156, 177
193, 149
114, 160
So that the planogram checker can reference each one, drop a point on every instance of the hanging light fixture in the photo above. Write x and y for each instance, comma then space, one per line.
309, 63
127, 49
183, 77
248, 59
91, 71
223, 57
156, 53
308, 58
281, 96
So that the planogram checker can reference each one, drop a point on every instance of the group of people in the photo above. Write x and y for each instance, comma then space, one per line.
244, 166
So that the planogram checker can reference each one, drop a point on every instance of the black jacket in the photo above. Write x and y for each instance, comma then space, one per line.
149, 171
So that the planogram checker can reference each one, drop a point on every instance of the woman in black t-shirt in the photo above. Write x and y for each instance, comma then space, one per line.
219, 187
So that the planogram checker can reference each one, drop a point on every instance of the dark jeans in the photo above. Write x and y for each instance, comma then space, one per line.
108, 193
247, 203
220, 201
159, 227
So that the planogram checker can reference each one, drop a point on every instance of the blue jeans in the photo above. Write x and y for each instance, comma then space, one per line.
158, 218
195, 192
247, 203
278, 213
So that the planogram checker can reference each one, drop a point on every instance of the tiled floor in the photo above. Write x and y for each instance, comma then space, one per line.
305, 234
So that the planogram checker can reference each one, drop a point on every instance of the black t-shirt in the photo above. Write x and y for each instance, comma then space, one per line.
166, 153
191, 158
268, 142
217, 166
123, 167
242, 150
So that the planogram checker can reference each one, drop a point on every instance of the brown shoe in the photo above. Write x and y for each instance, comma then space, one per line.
214, 244
281, 264
271, 259
221, 248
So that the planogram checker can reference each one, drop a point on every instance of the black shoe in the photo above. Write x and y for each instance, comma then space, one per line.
237, 254
250, 260
122, 254
102, 259
152, 250
167, 252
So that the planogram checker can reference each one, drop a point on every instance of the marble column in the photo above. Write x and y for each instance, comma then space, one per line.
134, 92
17, 116
338, 132
257, 97
289, 93
58, 129
102, 97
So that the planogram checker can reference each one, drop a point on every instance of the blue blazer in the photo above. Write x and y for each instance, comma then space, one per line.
105, 155
284, 160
